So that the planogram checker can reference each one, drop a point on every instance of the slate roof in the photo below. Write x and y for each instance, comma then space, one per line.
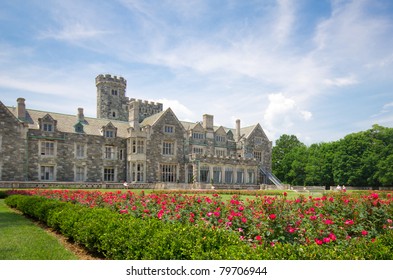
92, 126
66, 123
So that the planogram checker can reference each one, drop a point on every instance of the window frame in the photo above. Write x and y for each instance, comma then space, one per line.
109, 152
46, 151
169, 129
109, 174
43, 173
168, 148
168, 173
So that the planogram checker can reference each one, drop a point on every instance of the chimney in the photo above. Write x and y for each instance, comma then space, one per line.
208, 121
21, 109
237, 130
133, 114
81, 116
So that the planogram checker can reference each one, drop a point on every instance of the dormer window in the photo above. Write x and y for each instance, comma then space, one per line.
47, 123
47, 127
220, 138
109, 133
78, 128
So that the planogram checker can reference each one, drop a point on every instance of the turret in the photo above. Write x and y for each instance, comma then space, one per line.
111, 99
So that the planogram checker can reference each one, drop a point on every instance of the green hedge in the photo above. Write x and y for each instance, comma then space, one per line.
3, 194
122, 237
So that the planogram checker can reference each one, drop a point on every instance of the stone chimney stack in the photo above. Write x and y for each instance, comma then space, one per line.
21, 109
208, 121
133, 114
81, 116
237, 130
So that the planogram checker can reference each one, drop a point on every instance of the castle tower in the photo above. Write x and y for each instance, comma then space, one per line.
111, 100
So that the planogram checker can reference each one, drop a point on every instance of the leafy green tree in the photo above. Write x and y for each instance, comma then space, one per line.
359, 159
284, 154
319, 165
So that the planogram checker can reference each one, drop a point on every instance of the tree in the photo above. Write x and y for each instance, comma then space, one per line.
284, 154
319, 165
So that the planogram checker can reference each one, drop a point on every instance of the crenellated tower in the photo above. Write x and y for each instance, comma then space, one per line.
112, 102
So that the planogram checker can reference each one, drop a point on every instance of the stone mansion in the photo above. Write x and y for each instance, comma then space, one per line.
129, 140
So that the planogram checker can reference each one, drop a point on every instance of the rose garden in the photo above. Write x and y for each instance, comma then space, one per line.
249, 225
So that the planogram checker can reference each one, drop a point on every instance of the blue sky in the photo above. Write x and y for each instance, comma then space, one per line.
316, 69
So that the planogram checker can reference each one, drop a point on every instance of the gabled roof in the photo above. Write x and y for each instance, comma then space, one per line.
48, 118
9, 112
220, 129
246, 131
66, 123
152, 120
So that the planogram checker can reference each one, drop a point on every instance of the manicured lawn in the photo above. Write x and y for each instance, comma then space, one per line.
21, 239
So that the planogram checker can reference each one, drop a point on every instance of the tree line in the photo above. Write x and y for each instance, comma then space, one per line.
359, 159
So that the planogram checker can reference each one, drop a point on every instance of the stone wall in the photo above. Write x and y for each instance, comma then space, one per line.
65, 159
154, 151
13, 161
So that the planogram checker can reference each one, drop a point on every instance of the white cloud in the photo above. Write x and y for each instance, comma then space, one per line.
342, 81
283, 113
285, 20
181, 111
74, 32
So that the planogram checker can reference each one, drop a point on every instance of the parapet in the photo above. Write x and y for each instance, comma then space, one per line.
146, 103
109, 78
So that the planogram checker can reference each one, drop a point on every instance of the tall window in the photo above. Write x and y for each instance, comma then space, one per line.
47, 173
168, 172
137, 172
80, 150
120, 154
138, 146
190, 174
258, 155
109, 152
204, 174
228, 175
217, 174
109, 174
47, 148
240, 176
168, 148
79, 173
251, 176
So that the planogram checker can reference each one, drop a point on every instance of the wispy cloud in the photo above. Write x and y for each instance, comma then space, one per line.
233, 59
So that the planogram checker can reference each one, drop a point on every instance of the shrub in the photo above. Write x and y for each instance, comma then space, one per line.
123, 236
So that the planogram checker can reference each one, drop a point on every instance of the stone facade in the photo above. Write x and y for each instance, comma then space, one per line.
130, 140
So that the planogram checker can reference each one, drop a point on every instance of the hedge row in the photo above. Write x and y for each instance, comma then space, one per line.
122, 237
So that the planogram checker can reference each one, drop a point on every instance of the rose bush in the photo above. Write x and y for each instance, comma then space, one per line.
263, 220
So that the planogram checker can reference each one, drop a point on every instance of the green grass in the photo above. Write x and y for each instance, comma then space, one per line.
21, 239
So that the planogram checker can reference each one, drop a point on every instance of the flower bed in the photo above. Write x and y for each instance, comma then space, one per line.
262, 221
